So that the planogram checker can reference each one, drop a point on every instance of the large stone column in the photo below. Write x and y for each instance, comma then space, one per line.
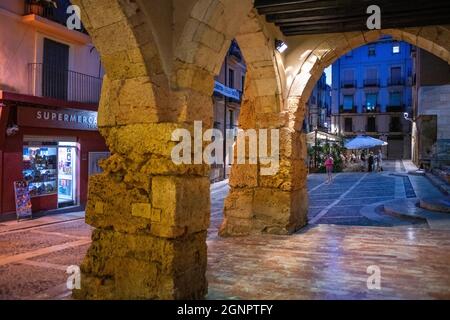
150, 215
277, 203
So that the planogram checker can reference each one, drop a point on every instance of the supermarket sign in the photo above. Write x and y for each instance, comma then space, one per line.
73, 119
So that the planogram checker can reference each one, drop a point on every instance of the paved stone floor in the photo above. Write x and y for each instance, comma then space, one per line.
326, 260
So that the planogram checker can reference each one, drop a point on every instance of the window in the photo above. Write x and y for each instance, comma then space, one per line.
371, 77
243, 83
396, 48
231, 122
395, 124
54, 73
372, 50
396, 72
371, 101
349, 77
348, 102
348, 124
231, 78
371, 124
395, 99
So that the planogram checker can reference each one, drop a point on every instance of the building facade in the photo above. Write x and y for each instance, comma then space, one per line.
431, 111
318, 107
372, 89
50, 83
229, 85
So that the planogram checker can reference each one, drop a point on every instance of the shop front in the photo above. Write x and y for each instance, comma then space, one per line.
54, 150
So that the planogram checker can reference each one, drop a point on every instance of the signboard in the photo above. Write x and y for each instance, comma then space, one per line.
60, 119
94, 160
23, 201
226, 91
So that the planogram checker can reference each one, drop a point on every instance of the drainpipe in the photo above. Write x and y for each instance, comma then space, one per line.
225, 122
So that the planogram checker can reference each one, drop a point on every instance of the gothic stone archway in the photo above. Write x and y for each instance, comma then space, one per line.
150, 215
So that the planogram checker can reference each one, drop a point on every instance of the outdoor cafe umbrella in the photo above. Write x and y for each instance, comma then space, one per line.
364, 142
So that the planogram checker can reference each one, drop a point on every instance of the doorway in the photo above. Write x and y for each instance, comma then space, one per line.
67, 169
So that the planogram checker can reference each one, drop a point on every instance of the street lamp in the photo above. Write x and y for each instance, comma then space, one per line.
281, 46
315, 146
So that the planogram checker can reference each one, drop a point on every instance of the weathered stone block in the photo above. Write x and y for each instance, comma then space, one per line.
239, 204
110, 205
184, 204
244, 176
141, 266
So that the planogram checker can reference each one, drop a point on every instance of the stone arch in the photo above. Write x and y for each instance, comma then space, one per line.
255, 201
151, 215
434, 39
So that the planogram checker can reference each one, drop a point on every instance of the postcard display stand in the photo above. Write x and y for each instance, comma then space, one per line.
23, 200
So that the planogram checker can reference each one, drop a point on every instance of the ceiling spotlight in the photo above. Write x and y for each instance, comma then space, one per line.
280, 46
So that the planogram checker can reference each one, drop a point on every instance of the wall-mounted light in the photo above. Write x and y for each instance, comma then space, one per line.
406, 116
280, 46
12, 130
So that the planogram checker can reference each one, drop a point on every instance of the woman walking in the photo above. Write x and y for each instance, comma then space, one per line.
329, 164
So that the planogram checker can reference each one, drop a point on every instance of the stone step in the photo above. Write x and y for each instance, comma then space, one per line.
436, 204
443, 186
409, 208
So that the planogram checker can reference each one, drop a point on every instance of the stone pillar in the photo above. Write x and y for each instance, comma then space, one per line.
150, 215
276, 204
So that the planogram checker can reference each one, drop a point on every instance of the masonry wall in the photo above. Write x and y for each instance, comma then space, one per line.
435, 100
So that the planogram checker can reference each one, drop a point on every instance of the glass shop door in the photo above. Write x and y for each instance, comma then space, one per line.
67, 174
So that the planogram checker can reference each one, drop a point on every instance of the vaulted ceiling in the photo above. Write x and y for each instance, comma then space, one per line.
328, 16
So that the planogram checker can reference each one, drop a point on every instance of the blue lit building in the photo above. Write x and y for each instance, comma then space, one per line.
371, 90
318, 109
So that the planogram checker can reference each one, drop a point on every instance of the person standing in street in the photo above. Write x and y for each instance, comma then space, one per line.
370, 162
329, 164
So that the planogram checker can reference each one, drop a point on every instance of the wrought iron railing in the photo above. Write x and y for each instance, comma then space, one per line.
396, 82
51, 82
348, 84
400, 108
371, 83
353, 109
46, 10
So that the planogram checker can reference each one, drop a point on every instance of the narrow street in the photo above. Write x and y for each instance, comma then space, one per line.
326, 260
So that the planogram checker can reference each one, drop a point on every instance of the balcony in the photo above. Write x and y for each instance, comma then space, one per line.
400, 108
392, 82
47, 10
371, 128
371, 83
354, 109
348, 84
375, 109
50, 82
349, 129
395, 127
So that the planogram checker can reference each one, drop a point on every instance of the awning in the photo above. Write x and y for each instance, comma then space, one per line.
226, 91
311, 137
364, 142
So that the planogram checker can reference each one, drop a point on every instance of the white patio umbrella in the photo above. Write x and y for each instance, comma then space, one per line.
364, 142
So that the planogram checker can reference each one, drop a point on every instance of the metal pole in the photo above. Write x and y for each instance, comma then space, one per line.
225, 122
315, 149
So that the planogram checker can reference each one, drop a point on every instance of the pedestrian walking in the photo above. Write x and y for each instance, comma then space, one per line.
363, 161
329, 164
380, 161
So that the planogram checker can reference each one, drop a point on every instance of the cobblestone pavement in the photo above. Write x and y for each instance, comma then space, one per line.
326, 260
341, 202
